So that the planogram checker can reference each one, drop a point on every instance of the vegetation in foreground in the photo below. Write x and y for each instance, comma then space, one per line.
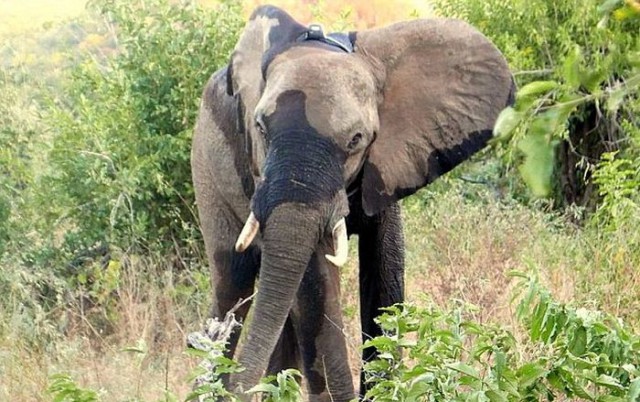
101, 268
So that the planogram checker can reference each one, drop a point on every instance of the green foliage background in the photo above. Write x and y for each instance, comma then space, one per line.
122, 131
95, 129
95, 137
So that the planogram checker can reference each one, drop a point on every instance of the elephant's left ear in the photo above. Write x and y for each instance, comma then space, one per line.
443, 86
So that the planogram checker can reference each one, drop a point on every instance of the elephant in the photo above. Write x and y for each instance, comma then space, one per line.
304, 139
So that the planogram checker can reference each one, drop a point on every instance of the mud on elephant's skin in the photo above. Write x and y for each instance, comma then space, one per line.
307, 141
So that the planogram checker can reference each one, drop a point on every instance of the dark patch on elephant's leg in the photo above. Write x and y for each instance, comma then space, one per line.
286, 354
381, 251
235, 278
245, 267
318, 318
309, 312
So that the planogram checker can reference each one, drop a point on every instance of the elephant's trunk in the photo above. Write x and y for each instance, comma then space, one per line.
290, 236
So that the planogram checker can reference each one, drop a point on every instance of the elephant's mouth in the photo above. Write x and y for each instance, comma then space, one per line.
338, 234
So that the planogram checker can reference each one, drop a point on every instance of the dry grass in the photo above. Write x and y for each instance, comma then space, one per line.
458, 248
130, 346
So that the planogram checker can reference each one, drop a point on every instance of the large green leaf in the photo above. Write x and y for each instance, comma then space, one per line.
537, 88
537, 168
634, 390
571, 68
506, 123
530, 373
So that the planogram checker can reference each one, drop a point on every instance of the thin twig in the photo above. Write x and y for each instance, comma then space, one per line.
534, 72
343, 331
473, 181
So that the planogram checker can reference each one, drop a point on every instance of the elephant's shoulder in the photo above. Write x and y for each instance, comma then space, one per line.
218, 115
219, 143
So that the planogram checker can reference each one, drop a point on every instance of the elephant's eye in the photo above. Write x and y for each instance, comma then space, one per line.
260, 126
355, 140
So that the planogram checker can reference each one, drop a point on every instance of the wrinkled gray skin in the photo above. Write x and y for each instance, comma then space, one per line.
304, 134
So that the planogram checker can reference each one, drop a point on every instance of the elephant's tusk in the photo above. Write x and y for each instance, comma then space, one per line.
341, 244
248, 233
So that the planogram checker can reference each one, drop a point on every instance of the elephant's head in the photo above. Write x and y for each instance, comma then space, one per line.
409, 103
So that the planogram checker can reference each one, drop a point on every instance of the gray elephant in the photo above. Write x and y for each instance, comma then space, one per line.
306, 138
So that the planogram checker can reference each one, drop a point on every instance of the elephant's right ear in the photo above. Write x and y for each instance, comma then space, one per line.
443, 87
269, 32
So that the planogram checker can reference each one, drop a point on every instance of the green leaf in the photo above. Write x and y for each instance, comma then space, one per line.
591, 80
611, 398
634, 390
536, 88
609, 5
609, 382
381, 343
538, 318
496, 396
548, 324
556, 381
464, 369
578, 342
634, 59
506, 123
631, 369
477, 396
571, 68
529, 374
263, 388
615, 99
537, 169
417, 389
500, 360
575, 386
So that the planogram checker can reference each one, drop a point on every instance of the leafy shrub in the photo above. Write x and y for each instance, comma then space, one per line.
64, 389
120, 160
618, 180
431, 355
282, 387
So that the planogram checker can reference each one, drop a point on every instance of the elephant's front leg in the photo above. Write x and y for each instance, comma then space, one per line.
318, 320
381, 252
233, 274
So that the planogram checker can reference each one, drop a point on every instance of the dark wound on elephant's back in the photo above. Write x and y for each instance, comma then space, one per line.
302, 166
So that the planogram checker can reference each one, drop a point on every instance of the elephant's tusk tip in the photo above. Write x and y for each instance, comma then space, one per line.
341, 244
248, 233
240, 246
336, 260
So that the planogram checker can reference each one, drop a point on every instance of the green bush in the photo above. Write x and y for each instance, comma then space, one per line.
431, 354
94, 156
120, 159
427, 354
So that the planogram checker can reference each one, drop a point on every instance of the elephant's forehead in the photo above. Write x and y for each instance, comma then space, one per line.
339, 90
